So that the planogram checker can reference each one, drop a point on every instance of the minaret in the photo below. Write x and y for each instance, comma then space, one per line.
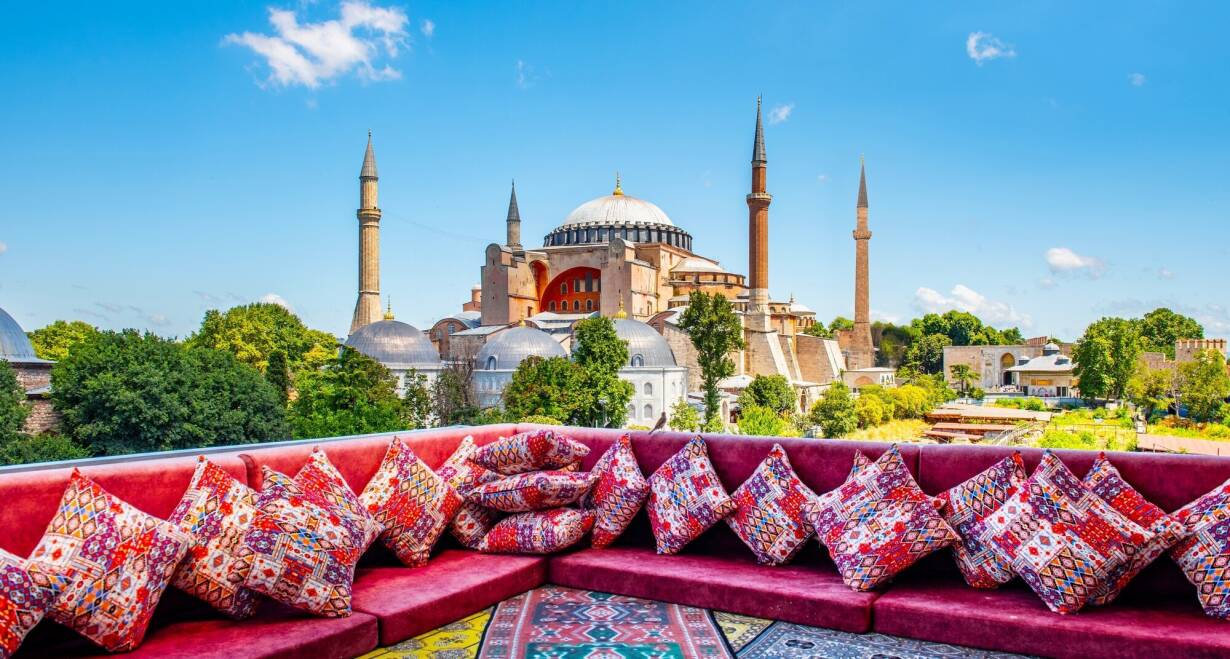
514, 221
758, 234
367, 308
862, 352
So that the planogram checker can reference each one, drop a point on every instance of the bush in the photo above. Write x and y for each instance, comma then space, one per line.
542, 419
835, 412
978, 393
40, 448
911, 402
764, 422
1031, 404
1065, 439
870, 411
684, 417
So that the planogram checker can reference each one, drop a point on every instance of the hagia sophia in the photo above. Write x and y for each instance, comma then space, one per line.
625, 258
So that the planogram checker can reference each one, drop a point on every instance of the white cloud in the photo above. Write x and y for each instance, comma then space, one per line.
525, 75
1047, 283
886, 317
981, 47
964, 298
822, 178
158, 320
311, 54
1063, 260
780, 113
428, 28
274, 298
1137, 79
1165, 273
3, 247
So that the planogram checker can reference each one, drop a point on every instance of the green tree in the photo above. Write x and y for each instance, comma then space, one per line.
1150, 388
964, 376
1204, 385
28, 449
1011, 337
927, 353
964, 329
543, 387
870, 411
715, 331
415, 400
602, 397
126, 392
13, 408
835, 412
771, 391
55, 340
452, 401
892, 342
911, 401
841, 324
253, 332
351, 395
764, 422
1106, 357
684, 417
277, 372
818, 329
1160, 328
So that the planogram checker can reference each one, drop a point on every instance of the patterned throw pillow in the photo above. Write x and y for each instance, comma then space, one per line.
539, 490
472, 521
770, 506
618, 494
1204, 555
118, 561
878, 522
530, 451
216, 512
969, 503
1062, 539
411, 502
537, 532
303, 546
686, 498
26, 594
1104, 480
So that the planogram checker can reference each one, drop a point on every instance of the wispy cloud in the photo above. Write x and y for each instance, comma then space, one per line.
3, 247
1064, 260
158, 320
1165, 273
1137, 79
311, 54
274, 298
428, 28
964, 298
780, 113
822, 178
91, 314
525, 75
982, 47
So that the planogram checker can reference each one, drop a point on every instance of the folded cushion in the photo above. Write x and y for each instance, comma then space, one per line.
537, 532
1204, 555
618, 494
530, 451
1062, 539
768, 517
686, 497
1104, 480
215, 511
473, 520
539, 490
411, 502
117, 560
969, 503
878, 522
25, 597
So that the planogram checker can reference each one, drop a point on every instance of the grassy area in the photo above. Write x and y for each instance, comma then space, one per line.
1176, 427
1097, 416
1091, 429
900, 430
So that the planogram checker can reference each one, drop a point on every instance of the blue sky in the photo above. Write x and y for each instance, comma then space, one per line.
1040, 164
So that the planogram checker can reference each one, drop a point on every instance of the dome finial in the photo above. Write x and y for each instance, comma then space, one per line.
388, 313
618, 190
621, 314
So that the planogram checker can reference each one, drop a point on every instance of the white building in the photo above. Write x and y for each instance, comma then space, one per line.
657, 381
399, 347
502, 354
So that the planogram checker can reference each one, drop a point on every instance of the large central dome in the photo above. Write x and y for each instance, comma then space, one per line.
618, 215
616, 209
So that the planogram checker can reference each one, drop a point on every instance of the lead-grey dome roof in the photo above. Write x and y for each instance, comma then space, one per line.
511, 346
644, 342
396, 345
15, 346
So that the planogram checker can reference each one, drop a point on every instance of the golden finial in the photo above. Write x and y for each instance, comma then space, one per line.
388, 314
621, 314
619, 191
521, 323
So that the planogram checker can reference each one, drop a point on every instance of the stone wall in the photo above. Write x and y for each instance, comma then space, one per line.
43, 417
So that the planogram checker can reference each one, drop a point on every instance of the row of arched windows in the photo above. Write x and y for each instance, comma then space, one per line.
589, 235
576, 305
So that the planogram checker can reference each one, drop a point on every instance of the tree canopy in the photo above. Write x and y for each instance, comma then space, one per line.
351, 395
927, 353
764, 422
715, 331
770, 391
1204, 385
1160, 328
1106, 357
602, 397
684, 417
964, 329
542, 387
253, 332
835, 412
13, 408
55, 340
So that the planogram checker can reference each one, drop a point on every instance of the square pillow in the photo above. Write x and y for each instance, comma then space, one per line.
530, 451
216, 512
618, 494
538, 532
117, 560
472, 521
1204, 555
25, 596
1104, 480
770, 506
878, 522
411, 502
539, 490
969, 503
686, 498
1062, 539
304, 548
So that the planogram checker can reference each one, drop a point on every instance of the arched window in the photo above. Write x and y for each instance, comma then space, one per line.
648, 412
552, 305
648, 388
631, 411
491, 363
638, 361
563, 288
576, 305
589, 305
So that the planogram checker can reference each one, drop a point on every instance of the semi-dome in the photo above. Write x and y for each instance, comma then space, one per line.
618, 215
697, 264
507, 349
646, 348
396, 345
15, 346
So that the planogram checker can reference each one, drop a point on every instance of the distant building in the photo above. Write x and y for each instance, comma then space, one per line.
879, 376
1047, 376
33, 374
991, 363
398, 346
500, 356
658, 382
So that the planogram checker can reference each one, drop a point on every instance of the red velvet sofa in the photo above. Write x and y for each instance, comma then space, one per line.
1157, 616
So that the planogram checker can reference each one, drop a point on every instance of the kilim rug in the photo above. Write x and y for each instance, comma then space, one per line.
787, 640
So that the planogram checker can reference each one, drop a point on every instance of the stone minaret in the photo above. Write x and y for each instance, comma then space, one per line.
514, 221
367, 308
758, 234
862, 352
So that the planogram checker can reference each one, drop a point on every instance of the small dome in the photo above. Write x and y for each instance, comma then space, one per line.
507, 349
396, 345
1050, 349
616, 209
646, 348
697, 264
15, 346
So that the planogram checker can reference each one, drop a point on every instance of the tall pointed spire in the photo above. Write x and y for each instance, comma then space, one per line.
514, 213
862, 183
512, 223
758, 156
369, 160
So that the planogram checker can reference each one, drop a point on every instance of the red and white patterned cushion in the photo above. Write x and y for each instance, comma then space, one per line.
1204, 554
878, 522
1106, 482
618, 494
117, 559
538, 490
530, 451
686, 498
216, 512
411, 502
1062, 539
25, 597
472, 521
537, 532
770, 505
969, 503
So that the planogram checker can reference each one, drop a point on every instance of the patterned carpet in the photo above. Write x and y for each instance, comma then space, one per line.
562, 623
